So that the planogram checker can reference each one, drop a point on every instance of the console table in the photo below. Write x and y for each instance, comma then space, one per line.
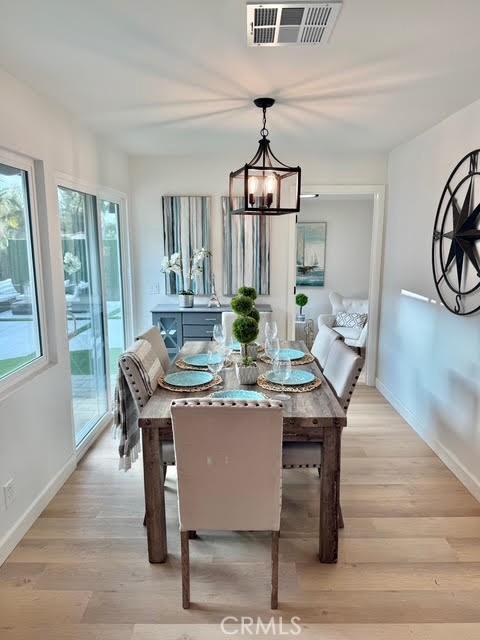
179, 326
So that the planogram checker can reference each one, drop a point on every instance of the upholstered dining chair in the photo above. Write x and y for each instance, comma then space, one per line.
323, 343
342, 370
154, 337
228, 318
141, 396
213, 446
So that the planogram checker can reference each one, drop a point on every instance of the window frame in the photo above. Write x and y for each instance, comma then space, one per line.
31, 369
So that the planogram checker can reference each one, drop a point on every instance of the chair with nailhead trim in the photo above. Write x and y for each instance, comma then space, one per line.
342, 370
225, 484
140, 397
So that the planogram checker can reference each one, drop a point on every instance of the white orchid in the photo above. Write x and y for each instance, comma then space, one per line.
174, 264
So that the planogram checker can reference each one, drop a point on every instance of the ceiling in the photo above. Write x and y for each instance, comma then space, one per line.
176, 76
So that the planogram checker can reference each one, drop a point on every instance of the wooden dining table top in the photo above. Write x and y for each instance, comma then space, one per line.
306, 415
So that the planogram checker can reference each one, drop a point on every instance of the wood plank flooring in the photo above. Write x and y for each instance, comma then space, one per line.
409, 554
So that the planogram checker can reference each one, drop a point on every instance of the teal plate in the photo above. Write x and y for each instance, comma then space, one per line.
240, 394
188, 378
290, 354
296, 377
201, 359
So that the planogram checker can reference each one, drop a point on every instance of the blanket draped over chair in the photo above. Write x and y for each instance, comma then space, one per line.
138, 373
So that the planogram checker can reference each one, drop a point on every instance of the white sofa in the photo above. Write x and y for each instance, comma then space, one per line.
353, 336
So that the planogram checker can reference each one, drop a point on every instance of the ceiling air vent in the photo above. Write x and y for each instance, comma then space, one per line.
292, 23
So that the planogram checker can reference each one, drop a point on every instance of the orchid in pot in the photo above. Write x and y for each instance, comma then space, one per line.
187, 272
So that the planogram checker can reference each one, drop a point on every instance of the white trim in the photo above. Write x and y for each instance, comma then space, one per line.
14, 380
377, 191
468, 479
93, 435
26, 520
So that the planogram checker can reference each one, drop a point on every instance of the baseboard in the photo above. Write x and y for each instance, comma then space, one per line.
20, 528
470, 481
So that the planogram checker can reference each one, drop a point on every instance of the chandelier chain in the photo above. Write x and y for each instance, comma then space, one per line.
264, 130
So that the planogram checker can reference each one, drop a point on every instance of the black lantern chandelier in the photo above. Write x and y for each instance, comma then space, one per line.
265, 186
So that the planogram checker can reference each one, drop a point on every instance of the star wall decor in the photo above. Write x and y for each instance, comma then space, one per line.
456, 239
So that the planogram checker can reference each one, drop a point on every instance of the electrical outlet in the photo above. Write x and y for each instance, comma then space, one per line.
9, 493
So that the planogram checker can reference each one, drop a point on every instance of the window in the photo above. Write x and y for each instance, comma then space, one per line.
20, 336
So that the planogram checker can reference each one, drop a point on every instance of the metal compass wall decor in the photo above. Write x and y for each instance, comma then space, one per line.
456, 239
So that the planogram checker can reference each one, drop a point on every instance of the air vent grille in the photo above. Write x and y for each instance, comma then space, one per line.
265, 17
294, 23
264, 36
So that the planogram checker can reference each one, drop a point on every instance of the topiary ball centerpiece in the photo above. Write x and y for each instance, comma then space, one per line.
245, 326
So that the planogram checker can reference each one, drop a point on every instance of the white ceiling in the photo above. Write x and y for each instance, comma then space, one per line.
176, 76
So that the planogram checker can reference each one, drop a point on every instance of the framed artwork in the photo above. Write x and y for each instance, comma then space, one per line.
246, 251
186, 228
311, 246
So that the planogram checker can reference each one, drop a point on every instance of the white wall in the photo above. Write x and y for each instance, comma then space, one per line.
152, 177
429, 359
349, 239
36, 436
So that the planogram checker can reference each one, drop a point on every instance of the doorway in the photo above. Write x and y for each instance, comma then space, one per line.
340, 269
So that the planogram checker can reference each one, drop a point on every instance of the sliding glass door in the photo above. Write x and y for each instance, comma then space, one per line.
92, 265
114, 285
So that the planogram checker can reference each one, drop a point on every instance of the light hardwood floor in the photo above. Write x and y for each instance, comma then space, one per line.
409, 554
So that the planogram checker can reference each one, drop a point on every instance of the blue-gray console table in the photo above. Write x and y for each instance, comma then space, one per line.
178, 325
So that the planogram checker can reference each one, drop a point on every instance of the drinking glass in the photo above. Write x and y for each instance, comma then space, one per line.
283, 369
272, 348
271, 329
215, 362
218, 334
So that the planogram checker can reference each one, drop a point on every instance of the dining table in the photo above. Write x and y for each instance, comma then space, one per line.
314, 416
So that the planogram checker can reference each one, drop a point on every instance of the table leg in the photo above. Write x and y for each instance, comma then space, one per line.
330, 495
154, 496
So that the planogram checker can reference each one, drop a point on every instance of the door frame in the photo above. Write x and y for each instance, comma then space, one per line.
377, 191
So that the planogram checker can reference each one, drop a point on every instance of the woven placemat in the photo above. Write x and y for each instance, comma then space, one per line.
307, 359
202, 387
181, 364
302, 388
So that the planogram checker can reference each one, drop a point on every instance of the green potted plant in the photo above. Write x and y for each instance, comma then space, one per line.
301, 301
245, 331
186, 273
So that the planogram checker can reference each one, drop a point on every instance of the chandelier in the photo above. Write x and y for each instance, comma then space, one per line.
265, 185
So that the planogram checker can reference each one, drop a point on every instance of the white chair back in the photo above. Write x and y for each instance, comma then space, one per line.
342, 370
229, 461
228, 318
154, 337
323, 343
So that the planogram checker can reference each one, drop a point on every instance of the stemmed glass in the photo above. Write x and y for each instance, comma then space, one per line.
218, 334
215, 362
272, 348
282, 368
271, 329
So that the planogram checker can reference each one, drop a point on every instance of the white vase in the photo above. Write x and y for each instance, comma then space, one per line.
246, 375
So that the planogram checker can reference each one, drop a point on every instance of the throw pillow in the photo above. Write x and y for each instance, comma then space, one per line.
351, 320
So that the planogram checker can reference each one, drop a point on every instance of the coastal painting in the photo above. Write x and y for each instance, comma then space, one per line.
311, 245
